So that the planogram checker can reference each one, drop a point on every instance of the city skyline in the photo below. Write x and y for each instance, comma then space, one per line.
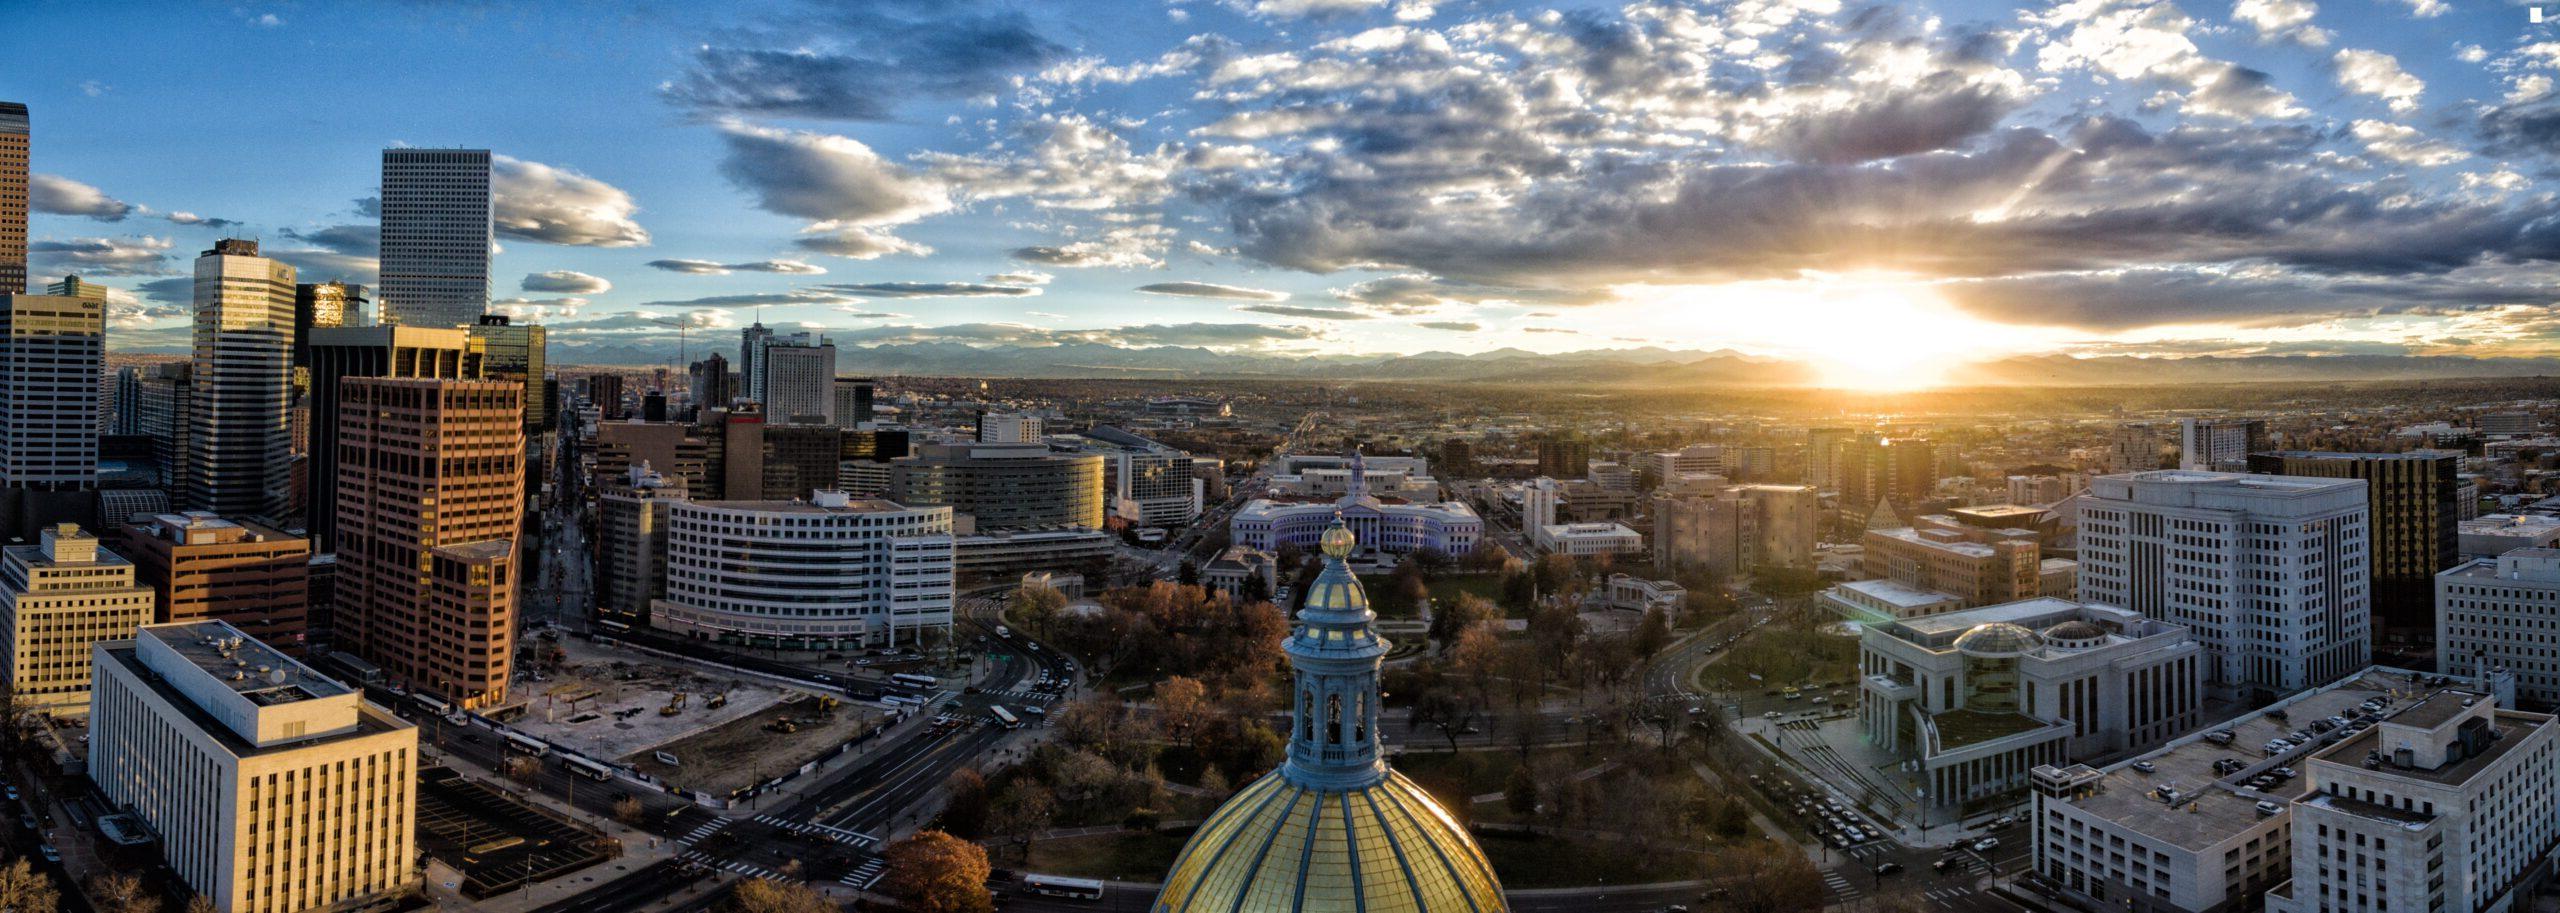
1881, 191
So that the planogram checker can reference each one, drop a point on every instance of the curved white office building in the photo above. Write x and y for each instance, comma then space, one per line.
831, 572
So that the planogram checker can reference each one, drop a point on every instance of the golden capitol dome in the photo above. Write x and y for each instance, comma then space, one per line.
1334, 829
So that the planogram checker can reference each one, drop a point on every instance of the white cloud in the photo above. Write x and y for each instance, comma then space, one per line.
537, 202
2379, 75
566, 281
2282, 20
2405, 145
62, 196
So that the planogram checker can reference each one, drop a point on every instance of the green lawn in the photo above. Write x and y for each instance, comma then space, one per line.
1135, 857
1444, 588
1784, 657
1525, 861
1455, 775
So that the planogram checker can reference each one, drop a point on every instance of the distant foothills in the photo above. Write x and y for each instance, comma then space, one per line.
1596, 367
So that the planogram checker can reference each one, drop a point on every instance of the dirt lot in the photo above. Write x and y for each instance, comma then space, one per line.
627, 689
744, 751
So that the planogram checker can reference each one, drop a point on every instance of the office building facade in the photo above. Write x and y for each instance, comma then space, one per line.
631, 544
271, 788
59, 597
326, 304
827, 573
1564, 458
52, 359
2268, 571
2219, 444
426, 585
798, 380
339, 353
1002, 486
516, 352
1737, 529
436, 236
239, 447
2498, 614
2414, 506
14, 136
200, 566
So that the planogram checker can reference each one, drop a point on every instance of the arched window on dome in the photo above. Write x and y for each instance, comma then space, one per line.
1333, 719
1360, 727
1307, 715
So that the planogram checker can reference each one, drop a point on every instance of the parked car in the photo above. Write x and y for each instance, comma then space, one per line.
1986, 844
1888, 868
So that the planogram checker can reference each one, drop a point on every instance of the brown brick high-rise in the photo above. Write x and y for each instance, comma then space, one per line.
430, 498
13, 198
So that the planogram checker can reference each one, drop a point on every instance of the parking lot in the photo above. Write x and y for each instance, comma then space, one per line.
497, 842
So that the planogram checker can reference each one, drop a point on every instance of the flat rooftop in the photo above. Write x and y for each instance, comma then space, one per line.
2220, 807
2240, 480
370, 719
1963, 728
2018, 612
1895, 594
254, 670
1919, 538
2512, 727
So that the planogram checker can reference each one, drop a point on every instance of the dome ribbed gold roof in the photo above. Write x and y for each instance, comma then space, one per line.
1276, 847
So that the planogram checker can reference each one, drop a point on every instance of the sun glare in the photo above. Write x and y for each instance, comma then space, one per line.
1867, 332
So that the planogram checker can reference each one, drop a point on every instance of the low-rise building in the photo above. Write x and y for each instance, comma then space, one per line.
997, 554
272, 789
204, 566
2203, 824
1229, 572
1978, 698
2496, 614
2492, 535
1878, 600
828, 573
2449, 806
1636, 594
1981, 567
57, 598
1583, 540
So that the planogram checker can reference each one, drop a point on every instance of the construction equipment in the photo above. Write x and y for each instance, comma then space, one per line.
675, 705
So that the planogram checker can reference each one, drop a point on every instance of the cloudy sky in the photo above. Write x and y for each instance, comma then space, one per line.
1888, 185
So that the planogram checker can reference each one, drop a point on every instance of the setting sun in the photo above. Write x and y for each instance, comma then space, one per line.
1869, 332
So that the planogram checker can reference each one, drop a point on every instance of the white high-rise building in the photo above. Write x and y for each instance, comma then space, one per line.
239, 447
1008, 428
1539, 500
2269, 572
2219, 444
59, 597
436, 236
52, 359
800, 381
272, 789
2498, 612
2449, 806
827, 573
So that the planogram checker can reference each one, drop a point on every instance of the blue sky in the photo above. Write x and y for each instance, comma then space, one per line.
1888, 184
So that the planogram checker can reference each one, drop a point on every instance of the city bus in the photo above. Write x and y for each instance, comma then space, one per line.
913, 680
585, 768
527, 744
432, 704
1070, 888
1004, 718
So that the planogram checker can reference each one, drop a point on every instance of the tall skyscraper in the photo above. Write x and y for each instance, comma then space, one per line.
799, 381
245, 777
13, 198
2219, 444
239, 447
604, 391
751, 343
324, 304
52, 356
714, 385
1901, 471
426, 588
163, 410
517, 352
58, 598
436, 235
338, 353
2413, 499
2267, 571
853, 401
